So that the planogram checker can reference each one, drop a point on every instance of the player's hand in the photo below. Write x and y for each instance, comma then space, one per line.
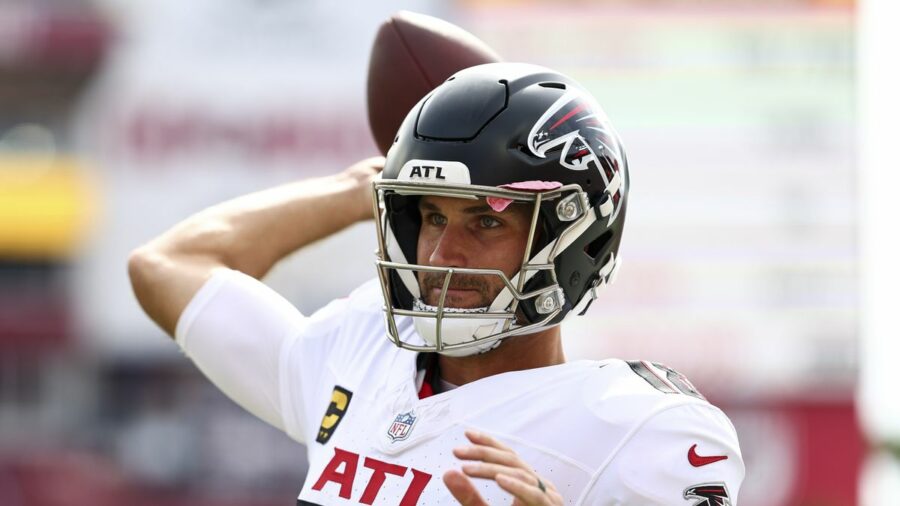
492, 460
364, 172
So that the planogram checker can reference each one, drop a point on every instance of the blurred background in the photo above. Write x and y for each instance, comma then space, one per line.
118, 118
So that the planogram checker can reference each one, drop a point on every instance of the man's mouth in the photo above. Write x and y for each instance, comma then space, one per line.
456, 297
463, 292
453, 292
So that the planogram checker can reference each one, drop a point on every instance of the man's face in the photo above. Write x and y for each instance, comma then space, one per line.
469, 234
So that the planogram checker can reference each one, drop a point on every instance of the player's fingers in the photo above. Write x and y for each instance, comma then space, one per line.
462, 489
375, 162
490, 471
526, 493
365, 169
488, 454
482, 438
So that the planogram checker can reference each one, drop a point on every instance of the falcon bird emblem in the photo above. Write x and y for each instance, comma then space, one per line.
710, 494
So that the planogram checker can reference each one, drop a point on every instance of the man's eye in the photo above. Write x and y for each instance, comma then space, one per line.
436, 219
489, 222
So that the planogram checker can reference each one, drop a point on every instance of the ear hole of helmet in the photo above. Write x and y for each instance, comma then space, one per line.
596, 248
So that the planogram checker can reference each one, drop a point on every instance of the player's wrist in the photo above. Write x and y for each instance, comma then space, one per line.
354, 195
357, 181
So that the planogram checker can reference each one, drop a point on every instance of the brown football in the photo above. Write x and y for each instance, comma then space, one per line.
412, 54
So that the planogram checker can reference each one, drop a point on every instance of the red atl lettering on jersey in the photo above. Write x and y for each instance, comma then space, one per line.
345, 479
415, 489
379, 469
342, 470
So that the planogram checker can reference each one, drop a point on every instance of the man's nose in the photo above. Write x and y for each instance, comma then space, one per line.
451, 249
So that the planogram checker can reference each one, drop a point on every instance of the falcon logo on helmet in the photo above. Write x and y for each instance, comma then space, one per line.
710, 494
572, 123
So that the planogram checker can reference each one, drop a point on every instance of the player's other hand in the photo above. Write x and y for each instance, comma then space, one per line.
492, 460
363, 173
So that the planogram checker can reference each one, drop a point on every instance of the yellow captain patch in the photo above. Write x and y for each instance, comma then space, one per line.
340, 400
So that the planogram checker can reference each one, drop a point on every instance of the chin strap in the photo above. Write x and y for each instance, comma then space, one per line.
420, 305
465, 329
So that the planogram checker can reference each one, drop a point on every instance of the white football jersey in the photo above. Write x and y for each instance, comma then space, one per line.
604, 433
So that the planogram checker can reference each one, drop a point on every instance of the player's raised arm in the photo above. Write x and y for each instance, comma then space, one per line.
250, 234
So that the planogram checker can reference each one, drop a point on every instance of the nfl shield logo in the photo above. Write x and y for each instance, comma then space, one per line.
402, 426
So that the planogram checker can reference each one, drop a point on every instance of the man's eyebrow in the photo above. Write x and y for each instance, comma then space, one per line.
428, 206
484, 208
479, 209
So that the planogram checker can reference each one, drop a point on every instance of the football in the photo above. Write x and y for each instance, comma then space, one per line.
412, 54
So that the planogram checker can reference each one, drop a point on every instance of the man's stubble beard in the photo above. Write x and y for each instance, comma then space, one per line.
431, 280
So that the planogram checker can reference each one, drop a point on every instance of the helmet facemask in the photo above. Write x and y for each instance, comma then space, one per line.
530, 301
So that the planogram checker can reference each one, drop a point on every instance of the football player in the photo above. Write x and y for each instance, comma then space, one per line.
499, 212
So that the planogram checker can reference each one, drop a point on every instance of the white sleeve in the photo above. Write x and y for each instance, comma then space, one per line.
238, 332
653, 467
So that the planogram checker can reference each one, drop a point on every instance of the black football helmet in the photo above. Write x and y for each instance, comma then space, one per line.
509, 132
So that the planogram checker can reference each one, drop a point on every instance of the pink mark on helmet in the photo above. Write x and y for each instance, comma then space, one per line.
500, 204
